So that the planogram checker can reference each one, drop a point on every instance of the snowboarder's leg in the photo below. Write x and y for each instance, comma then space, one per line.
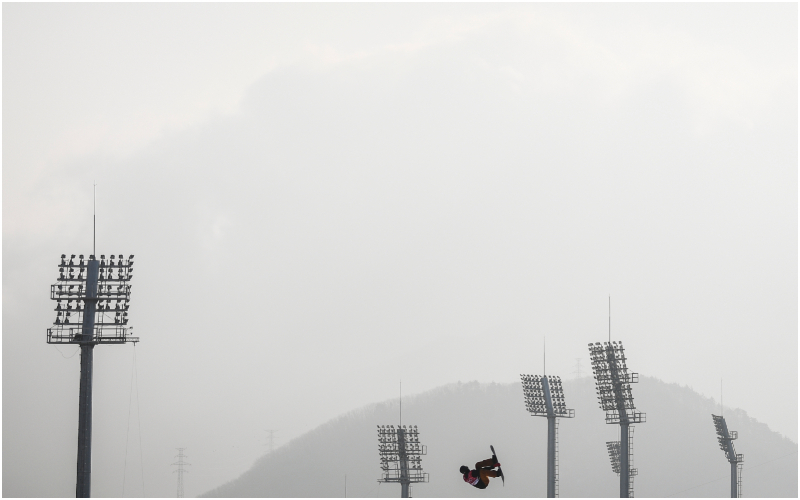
486, 474
485, 463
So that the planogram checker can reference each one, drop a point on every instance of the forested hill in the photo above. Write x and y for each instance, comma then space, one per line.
675, 451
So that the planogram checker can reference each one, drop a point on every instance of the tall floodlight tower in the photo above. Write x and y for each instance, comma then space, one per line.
544, 397
615, 397
92, 308
725, 440
401, 456
181, 471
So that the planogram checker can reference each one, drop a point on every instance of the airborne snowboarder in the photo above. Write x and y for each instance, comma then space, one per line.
479, 476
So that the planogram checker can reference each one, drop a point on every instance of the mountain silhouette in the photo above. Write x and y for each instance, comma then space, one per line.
675, 451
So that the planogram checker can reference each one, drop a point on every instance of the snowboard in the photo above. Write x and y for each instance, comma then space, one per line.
499, 470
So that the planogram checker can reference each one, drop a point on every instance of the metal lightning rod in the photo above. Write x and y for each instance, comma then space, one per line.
94, 220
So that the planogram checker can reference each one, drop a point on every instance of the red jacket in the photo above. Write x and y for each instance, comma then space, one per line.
474, 478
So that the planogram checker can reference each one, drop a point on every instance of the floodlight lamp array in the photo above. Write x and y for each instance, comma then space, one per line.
112, 300
725, 439
614, 382
397, 445
535, 398
614, 454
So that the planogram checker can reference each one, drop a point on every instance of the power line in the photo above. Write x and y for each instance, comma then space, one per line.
71, 355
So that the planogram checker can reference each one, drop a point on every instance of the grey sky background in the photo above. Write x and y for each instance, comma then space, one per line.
326, 199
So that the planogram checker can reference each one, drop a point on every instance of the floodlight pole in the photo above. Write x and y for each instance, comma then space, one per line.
731, 452
404, 479
624, 455
551, 440
544, 397
92, 297
614, 393
625, 471
400, 454
725, 439
84, 475
624, 467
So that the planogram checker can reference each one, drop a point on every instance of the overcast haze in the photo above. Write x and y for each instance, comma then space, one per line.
325, 199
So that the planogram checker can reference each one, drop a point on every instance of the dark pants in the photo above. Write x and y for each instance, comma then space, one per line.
484, 468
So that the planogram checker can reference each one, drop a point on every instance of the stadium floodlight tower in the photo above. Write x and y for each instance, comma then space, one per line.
725, 440
92, 308
615, 397
544, 397
401, 456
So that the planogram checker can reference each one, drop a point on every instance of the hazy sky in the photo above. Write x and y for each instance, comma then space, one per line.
325, 199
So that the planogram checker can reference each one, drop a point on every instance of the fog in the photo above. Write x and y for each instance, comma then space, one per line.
675, 451
324, 200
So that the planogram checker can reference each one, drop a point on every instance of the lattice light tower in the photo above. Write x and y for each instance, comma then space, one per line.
615, 397
725, 440
92, 308
401, 456
181, 471
544, 397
